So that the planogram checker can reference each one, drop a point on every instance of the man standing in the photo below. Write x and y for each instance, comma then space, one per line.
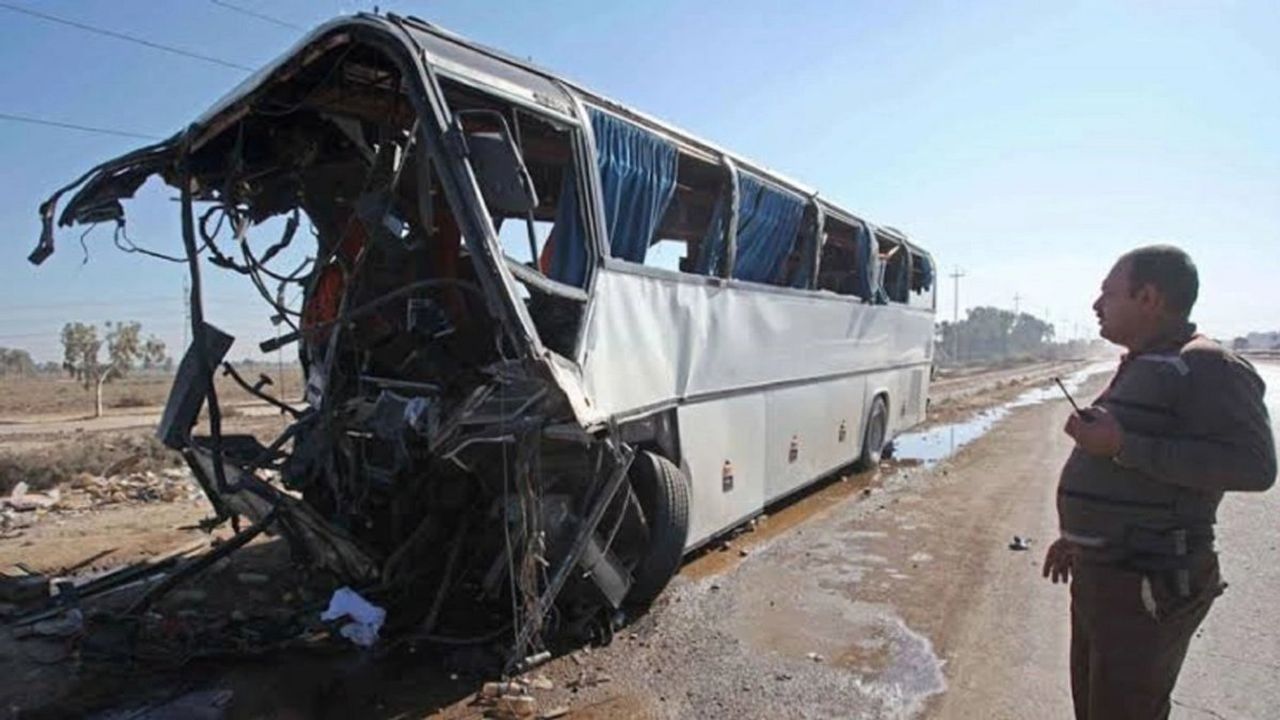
1182, 421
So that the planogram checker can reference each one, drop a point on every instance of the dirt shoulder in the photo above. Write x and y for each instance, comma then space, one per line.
957, 398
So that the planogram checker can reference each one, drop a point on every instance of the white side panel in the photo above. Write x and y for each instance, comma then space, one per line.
804, 432
653, 340
711, 433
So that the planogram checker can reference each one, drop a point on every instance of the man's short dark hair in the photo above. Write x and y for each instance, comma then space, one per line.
1170, 271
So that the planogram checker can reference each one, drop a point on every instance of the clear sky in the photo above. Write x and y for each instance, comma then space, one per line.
1026, 143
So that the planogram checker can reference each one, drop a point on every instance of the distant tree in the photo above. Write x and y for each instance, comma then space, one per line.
1029, 334
990, 333
16, 362
81, 346
153, 353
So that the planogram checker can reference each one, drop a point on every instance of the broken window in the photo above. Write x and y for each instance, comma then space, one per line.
546, 246
687, 222
896, 261
923, 294
769, 224
637, 171
839, 270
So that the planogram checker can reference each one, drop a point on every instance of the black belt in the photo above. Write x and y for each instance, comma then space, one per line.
1094, 497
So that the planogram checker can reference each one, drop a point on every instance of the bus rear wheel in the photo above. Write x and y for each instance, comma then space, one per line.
873, 439
663, 493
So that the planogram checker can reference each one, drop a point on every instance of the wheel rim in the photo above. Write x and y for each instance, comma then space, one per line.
876, 436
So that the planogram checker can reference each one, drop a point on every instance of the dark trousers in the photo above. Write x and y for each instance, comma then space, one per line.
1129, 634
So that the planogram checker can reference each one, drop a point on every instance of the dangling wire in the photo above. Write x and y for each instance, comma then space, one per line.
84, 247
122, 241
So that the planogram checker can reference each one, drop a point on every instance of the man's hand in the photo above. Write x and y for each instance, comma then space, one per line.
1059, 560
1096, 431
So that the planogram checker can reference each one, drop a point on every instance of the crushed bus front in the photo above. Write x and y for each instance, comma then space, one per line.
439, 460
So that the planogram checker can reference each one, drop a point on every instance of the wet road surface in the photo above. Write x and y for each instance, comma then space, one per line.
903, 598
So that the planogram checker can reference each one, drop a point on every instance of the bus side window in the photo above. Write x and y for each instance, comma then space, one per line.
838, 268
552, 238
895, 258
687, 223
922, 281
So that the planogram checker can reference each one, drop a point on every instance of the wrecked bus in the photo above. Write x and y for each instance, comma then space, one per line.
551, 344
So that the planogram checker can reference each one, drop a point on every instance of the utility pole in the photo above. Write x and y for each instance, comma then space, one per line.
1017, 304
955, 317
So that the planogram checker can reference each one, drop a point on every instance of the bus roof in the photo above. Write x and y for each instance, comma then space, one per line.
493, 67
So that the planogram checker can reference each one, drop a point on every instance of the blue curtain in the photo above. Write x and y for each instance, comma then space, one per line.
866, 287
904, 272
768, 220
569, 248
813, 242
926, 272
637, 181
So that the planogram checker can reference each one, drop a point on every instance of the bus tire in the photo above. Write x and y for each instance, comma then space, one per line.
663, 492
873, 439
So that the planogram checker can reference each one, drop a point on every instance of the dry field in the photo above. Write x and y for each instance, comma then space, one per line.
26, 399
48, 435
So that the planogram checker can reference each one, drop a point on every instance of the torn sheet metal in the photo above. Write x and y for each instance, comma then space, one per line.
439, 408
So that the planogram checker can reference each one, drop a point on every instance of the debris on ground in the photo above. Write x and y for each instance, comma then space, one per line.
23, 589
508, 700
21, 500
1020, 543
541, 682
587, 679
168, 485
815, 657
366, 618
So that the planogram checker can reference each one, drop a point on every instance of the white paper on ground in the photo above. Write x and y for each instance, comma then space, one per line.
366, 618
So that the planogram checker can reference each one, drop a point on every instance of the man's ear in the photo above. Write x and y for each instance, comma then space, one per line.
1151, 298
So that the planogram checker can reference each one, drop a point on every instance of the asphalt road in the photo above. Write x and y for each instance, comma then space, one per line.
905, 600
1010, 659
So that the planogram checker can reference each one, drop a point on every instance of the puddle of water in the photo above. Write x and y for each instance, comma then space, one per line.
906, 660
938, 443
890, 660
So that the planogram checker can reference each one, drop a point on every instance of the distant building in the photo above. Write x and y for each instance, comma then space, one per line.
1258, 341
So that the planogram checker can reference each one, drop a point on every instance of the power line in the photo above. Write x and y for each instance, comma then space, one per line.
73, 126
94, 303
260, 16
122, 36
